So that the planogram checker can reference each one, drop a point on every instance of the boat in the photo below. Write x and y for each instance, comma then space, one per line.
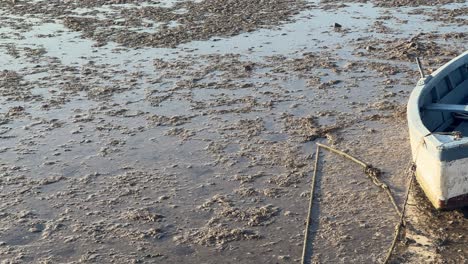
437, 113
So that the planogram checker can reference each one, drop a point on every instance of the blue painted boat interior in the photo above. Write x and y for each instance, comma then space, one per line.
452, 92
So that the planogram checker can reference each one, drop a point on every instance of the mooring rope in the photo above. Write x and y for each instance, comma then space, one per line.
373, 174
400, 224
411, 172
311, 202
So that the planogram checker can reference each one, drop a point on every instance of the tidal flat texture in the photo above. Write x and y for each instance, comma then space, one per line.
183, 131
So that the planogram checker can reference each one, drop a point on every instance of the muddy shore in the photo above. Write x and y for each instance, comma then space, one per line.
183, 131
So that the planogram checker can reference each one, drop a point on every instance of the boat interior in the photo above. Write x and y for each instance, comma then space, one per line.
445, 107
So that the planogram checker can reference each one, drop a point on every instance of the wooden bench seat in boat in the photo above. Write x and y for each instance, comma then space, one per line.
455, 108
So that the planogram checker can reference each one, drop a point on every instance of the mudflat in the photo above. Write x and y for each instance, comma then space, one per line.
171, 131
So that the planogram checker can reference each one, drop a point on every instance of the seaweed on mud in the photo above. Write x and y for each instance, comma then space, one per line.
199, 21
183, 133
253, 216
396, 3
306, 65
217, 199
245, 128
455, 16
285, 180
144, 215
217, 236
246, 191
420, 45
307, 128
159, 120
14, 87
248, 178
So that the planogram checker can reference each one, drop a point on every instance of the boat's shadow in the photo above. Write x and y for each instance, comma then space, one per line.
464, 211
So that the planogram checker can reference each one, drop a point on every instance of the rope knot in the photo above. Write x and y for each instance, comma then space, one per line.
457, 135
372, 172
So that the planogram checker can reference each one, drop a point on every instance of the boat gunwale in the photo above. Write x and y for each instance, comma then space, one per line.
425, 86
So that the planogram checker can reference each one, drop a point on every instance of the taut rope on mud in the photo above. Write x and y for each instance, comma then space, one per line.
311, 202
373, 174
402, 220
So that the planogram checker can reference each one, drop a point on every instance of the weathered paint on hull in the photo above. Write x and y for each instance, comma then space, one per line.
456, 181
444, 183
437, 201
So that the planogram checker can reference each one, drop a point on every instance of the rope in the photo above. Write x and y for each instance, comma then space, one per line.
457, 135
346, 155
373, 174
411, 172
401, 223
311, 200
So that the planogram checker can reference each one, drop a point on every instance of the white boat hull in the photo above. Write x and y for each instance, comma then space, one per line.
440, 150
444, 183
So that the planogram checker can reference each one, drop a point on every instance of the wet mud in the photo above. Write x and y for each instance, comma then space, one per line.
184, 131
